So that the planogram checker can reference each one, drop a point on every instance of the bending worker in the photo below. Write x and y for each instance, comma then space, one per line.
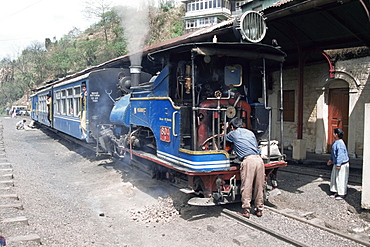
252, 169
20, 124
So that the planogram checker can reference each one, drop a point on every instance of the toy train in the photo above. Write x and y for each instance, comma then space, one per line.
170, 109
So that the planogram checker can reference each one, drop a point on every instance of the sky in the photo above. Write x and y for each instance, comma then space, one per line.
24, 21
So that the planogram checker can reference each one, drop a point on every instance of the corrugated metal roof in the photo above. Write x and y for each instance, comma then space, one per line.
279, 3
311, 25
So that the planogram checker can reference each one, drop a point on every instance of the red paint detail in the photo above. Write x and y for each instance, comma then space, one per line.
331, 66
165, 134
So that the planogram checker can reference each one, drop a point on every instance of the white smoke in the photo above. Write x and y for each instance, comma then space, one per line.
135, 23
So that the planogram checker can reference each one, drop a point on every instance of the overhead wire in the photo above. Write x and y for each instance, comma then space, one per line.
1, 19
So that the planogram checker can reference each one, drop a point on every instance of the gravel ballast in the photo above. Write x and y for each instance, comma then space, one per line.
71, 198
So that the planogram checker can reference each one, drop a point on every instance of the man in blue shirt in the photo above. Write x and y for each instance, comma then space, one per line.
340, 172
252, 169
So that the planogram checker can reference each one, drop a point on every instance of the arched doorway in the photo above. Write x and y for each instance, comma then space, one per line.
338, 109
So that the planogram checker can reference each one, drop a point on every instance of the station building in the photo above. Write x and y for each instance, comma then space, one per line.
326, 75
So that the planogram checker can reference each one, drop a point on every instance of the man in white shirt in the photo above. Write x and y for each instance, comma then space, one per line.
20, 124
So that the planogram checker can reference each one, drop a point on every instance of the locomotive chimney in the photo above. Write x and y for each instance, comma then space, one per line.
135, 71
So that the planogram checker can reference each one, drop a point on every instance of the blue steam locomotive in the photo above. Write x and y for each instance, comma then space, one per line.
170, 109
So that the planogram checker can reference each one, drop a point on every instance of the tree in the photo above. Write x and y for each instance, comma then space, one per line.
100, 9
103, 41
6, 71
166, 23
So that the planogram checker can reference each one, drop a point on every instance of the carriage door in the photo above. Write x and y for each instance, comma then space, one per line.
338, 113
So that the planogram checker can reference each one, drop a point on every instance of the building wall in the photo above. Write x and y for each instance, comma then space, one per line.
353, 74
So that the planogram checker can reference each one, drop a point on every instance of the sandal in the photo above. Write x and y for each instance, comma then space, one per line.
259, 213
334, 195
246, 214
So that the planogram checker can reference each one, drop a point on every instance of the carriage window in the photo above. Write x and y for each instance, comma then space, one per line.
63, 103
76, 101
57, 95
233, 75
77, 90
70, 106
58, 104
288, 105
42, 103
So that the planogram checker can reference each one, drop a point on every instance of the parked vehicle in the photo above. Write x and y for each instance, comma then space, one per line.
21, 110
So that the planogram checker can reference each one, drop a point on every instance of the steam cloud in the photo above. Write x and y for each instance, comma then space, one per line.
135, 23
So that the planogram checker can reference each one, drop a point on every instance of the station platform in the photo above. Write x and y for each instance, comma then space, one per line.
313, 159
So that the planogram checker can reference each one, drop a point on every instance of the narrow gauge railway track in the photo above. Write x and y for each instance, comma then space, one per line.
260, 227
285, 232
286, 228
280, 225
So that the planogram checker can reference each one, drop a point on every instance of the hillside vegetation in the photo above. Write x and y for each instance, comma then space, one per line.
78, 50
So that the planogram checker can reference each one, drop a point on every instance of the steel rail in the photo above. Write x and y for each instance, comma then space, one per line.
245, 221
346, 236
262, 228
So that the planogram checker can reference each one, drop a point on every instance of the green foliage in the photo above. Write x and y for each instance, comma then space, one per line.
166, 24
78, 50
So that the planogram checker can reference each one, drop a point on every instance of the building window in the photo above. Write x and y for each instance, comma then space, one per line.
190, 24
288, 105
213, 20
239, 4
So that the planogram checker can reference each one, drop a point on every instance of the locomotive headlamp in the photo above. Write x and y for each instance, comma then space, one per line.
251, 26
